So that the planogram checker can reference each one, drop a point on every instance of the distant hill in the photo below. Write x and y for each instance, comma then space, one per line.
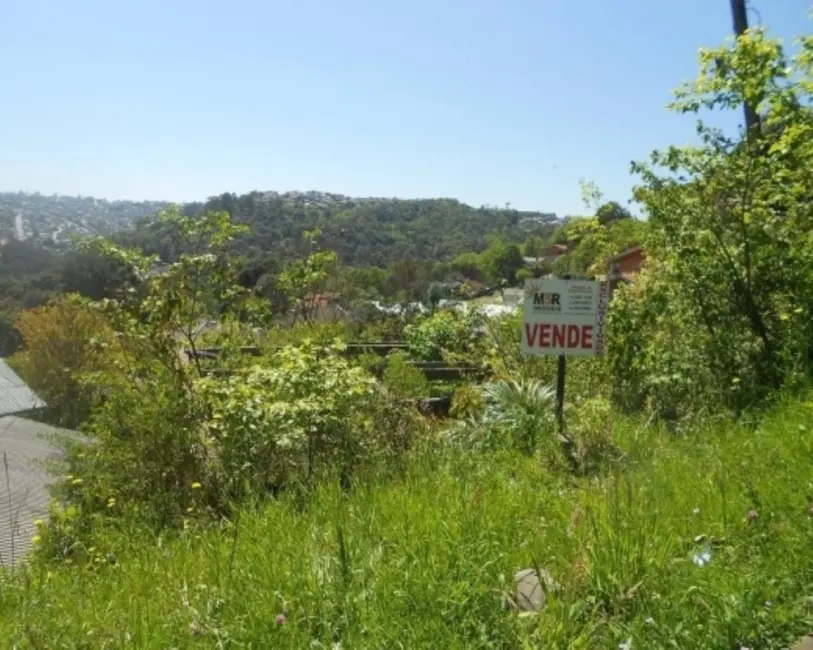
362, 230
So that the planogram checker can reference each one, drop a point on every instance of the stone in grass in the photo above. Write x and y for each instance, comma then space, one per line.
530, 596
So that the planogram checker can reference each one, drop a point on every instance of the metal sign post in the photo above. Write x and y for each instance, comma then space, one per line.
560, 393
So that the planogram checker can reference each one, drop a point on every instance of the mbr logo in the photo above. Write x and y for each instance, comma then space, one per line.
546, 299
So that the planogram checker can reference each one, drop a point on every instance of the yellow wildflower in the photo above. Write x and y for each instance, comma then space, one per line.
196, 486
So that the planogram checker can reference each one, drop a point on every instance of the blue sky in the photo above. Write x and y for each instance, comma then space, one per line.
488, 101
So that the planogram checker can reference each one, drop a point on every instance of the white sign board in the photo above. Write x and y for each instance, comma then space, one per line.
564, 317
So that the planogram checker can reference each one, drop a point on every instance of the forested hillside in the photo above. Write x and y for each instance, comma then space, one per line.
372, 231
391, 249
388, 246
361, 230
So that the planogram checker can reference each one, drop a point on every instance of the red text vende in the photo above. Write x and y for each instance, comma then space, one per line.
550, 335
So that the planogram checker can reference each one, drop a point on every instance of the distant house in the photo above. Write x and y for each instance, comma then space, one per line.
399, 309
322, 307
552, 253
491, 310
626, 265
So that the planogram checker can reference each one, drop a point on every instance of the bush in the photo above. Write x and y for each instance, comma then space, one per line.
404, 379
64, 342
304, 415
446, 334
589, 446
170, 453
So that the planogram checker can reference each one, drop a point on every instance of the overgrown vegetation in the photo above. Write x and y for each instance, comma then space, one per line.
280, 491
427, 560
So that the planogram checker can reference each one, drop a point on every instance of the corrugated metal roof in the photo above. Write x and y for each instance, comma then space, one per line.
25, 448
15, 396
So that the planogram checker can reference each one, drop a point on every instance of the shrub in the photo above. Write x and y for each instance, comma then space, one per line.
403, 378
467, 402
307, 414
589, 446
446, 334
64, 341
167, 453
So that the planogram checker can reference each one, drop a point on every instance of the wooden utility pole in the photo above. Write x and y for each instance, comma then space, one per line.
739, 14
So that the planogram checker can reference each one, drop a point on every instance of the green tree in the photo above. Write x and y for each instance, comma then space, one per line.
503, 261
610, 212
533, 246
591, 195
434, 294
304, 279
731, 221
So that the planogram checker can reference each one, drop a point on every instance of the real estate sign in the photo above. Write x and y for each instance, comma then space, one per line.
564, 317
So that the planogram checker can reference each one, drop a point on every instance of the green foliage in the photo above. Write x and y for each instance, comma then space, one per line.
304, 279
731, 235
533, 246
467, 402
591, 195
428, 561
589, 446
148, 417
516, 415
521, 410
148, 458
305, 414
523, 274
502, 261
10, 339
610, 212
447, 334
403, 378
592, 243
157, 312
65, 344
435, 293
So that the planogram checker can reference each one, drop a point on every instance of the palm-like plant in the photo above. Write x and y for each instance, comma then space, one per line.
522, 409
517, 413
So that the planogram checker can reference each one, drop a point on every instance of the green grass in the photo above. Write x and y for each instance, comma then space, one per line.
424, 561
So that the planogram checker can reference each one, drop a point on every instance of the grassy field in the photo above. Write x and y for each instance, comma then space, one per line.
702, 541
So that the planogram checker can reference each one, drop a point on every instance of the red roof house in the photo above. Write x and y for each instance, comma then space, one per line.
628, 263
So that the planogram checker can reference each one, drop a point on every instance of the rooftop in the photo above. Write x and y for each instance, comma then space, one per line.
15, 396
26, 447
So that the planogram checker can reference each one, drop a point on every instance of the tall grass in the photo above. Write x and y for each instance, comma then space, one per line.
427, 561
